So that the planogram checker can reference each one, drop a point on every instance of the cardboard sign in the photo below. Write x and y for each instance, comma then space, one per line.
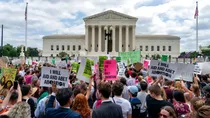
158, 68
62, 64
110, 69
146, 64
8, 77
121, 69
50, 75
164, 58
88, 70
101, 61
198, 69
138, 66
185, 71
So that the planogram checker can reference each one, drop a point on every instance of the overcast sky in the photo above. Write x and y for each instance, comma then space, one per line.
47, 17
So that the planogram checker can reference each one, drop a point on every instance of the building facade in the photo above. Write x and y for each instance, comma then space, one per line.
110, 32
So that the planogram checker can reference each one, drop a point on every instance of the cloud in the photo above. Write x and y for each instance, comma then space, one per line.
46, 17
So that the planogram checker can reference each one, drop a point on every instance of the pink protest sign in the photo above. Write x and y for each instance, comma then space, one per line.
146, 64
110, 69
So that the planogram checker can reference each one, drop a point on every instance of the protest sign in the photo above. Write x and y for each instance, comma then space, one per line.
205, 67
138, 66
8, 77
62, 64
121, 69
110, 69
75, 67
118, 59
185, 71
198, 69
101, 61
146, 64
88, 70
50, 75
167, 70
164, 58
80, 75
134, 56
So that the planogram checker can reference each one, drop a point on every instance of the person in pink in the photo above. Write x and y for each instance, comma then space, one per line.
28, 77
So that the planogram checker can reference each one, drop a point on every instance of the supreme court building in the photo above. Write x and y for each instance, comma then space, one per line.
110, 32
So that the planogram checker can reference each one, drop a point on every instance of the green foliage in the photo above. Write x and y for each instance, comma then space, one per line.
62, 54
206, 52
194, 54
10, 51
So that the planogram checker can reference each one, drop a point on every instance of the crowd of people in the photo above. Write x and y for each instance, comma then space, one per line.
135, 95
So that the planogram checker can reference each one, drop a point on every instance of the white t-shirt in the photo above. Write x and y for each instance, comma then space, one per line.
125, 105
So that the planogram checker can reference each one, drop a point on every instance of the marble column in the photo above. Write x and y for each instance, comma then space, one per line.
120, 38
93, 38
86, 37
113, 39
127, 38
134, 37
99, 38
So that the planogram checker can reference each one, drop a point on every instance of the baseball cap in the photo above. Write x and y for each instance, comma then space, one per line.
133, 89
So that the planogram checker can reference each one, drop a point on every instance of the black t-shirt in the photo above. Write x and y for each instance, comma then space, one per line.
32, 106
154, 106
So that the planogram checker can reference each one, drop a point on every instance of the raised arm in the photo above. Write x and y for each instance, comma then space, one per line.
89, 88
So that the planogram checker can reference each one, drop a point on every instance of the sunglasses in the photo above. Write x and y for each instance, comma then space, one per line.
162, 115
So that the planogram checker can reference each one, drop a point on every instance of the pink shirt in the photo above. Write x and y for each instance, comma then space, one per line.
28, 79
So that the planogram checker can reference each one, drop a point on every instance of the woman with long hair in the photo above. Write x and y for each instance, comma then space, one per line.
180, 103
81, 106
167, 112
20, 110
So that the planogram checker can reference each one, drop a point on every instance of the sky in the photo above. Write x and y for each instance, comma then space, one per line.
48, 17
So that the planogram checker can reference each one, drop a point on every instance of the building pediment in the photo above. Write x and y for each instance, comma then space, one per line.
110, 15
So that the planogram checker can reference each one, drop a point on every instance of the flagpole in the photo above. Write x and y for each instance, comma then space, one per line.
26, 27
197, 29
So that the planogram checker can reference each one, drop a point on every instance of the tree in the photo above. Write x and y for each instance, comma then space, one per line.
206, 52
193, 54
62, 54
32, 52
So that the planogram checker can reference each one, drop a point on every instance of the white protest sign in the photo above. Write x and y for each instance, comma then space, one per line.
62, 64
50, 75
81, 70
198, 68
167, 70
205, 67
185, 71
121, 69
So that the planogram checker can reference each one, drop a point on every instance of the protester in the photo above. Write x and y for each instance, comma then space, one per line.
142, 97
20, 110
80, 105
155, 101
43, 92
117, 90
125, 93
64, 97
107, 109
167, 112
135, 102
27, 91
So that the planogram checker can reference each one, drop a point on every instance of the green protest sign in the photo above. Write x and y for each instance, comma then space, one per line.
118, 59
75, 67
134, 56
87, 71
101, 61
164, 58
